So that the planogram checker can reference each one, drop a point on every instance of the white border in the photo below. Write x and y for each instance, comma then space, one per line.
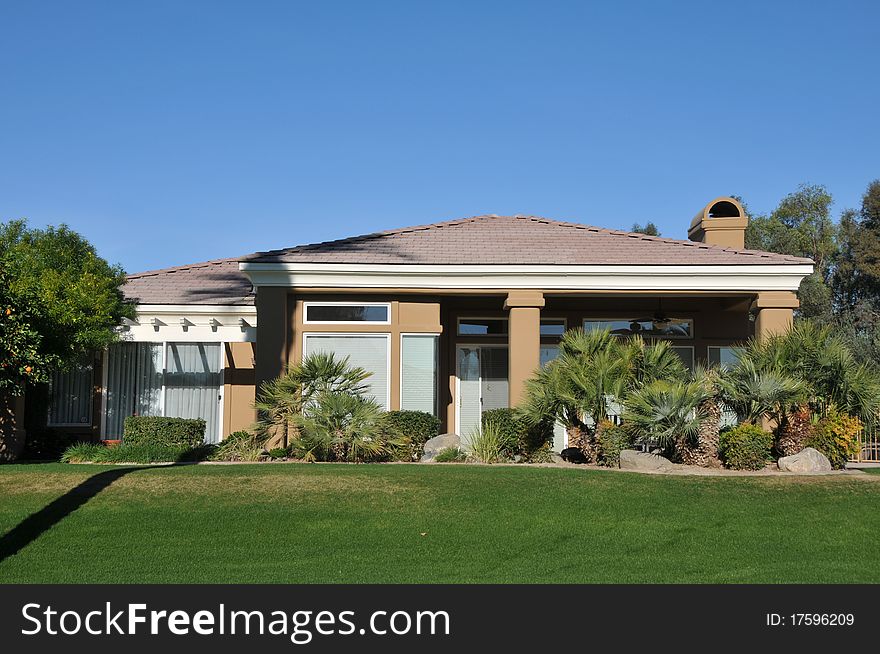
355, 303
387, 336
739, 277
436, 338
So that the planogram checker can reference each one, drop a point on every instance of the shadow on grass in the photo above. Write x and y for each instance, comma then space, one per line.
32, 527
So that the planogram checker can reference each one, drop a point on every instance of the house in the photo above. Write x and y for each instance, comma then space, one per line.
450, 318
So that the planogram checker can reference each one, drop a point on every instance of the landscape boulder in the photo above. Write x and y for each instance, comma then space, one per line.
635, 460
433, 446
806, 461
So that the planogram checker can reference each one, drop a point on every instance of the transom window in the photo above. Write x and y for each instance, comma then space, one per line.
482, 326
552, 326
664, 328
334, 313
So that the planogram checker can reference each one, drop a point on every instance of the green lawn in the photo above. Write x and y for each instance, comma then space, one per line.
444, 523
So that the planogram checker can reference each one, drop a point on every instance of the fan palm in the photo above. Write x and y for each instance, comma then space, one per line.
342, 427
282, 399
666, 414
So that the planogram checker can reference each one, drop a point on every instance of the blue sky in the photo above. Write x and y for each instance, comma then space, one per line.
175, 132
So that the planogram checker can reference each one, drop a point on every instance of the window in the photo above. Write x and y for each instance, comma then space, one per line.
553, 327
181, 380
668, 328
418, 372
482, 326
369, 313
70, 396
369, 351
725, 357
686, 353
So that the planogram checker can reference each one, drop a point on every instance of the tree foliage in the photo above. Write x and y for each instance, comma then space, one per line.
58, 300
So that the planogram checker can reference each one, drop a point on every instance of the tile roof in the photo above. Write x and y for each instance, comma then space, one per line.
527, 240
210, 282
524, 240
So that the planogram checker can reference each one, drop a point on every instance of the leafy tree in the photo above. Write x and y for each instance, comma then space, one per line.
866, 243
649, 229
58, 301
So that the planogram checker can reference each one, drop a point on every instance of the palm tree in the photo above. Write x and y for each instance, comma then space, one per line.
666, 414
341, 426
282, 399
704, 452
593, 369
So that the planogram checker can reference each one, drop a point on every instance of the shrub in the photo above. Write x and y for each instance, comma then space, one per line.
343, 427
99, 453
278, 453
837, 437
413, 429
745, 447
522, 438
155, 430
611, 440
239, 446
492, 444
451, 455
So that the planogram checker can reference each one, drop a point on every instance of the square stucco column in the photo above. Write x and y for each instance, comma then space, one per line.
524, 339
272, 329
774, 312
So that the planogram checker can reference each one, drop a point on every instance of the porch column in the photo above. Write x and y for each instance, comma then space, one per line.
271, 346
524, 339
774, 312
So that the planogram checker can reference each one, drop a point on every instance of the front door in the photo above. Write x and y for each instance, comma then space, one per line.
482, 372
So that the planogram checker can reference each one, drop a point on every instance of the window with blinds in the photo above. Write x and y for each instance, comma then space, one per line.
418, 383
369, 351
70, 396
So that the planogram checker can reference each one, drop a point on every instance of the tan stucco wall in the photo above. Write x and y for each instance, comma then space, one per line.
524, 341
238, 387
774, 313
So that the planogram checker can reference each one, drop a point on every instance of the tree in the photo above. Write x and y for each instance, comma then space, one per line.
801, 226
58, 301
650, 229
866, 244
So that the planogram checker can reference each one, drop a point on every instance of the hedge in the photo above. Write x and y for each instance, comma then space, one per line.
155, 430
745, 447
414, 427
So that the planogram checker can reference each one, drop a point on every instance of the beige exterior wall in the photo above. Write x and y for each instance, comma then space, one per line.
238, 387
524, 340
774, 313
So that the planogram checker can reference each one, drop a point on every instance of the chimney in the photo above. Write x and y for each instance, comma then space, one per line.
721, 222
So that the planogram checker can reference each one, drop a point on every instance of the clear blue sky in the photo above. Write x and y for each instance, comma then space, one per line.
175, 132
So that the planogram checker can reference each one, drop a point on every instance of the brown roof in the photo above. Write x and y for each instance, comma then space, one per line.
516, 240
526, 240
211, 282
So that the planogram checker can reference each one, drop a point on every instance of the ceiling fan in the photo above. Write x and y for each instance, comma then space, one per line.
658, 321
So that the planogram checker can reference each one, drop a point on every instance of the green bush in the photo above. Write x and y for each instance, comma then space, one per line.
492, 444
413, 429
155, 430
745, 447
278, 453
240, 445
451, 455
521, 438
837, 437
100, 453
611, 440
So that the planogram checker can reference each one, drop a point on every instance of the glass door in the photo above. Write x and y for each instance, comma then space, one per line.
482, 372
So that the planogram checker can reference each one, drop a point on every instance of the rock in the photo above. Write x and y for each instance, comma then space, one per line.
572, 455
433, 446
635, 460
806, 461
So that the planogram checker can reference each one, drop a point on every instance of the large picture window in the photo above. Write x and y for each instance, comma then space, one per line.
369, 351
70, 396
418, 372
180, 380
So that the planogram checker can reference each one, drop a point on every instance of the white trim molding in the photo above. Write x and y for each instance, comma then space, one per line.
745, 277
191, 323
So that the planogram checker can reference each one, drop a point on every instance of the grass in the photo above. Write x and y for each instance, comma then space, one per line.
299, 523
99, 453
